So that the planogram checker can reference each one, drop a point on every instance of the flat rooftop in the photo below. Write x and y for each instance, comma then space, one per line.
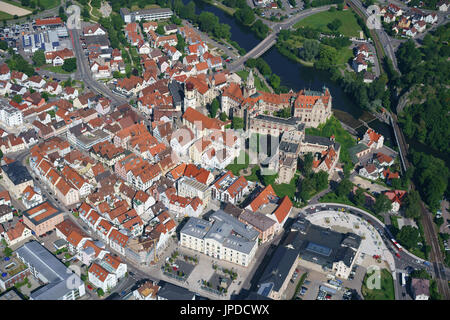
41, 213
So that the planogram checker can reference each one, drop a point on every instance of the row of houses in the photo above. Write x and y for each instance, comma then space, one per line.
408, 23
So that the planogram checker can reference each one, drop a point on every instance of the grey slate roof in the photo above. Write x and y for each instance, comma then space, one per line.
325, 246
225, 229
50, 269
277, 270
289, 121
241, 228
324, 141
172, 292
101, 40
257, 219
16, 172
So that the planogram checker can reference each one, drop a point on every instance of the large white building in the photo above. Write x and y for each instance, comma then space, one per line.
10, 116
60, 282
191, 188
145, 14
223, 237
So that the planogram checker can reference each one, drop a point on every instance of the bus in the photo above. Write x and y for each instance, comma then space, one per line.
403, 278
396, 244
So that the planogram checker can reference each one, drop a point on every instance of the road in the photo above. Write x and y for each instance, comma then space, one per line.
271, 39
382, 40
84, 74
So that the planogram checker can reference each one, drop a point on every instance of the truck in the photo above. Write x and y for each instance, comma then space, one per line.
427, 263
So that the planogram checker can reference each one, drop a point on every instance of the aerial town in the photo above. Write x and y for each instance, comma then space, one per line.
150, 153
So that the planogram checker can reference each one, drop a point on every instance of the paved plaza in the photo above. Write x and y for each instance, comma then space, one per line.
371, 244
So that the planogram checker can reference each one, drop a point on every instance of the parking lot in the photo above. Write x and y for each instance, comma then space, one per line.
368, 185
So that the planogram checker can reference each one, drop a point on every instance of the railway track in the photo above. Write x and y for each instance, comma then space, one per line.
430, 232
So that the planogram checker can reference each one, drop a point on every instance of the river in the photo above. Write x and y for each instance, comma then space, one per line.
294, 75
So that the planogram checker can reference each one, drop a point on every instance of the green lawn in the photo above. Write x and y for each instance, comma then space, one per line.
286, 189
349, 27
5, 16
57, 69
343, 56
236, 167
47, 4
260, 85
386, 292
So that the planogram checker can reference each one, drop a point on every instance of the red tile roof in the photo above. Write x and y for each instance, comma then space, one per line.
283, 209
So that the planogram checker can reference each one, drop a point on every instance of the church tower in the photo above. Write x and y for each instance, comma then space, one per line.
250, 89
189, 96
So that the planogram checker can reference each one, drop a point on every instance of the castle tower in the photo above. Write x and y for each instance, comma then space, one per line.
250, 88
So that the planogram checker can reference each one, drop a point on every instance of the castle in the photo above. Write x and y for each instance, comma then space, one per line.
309, 107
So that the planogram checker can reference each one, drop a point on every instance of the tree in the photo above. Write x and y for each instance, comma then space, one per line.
7, 252
260, 28
307, 163
100, 292
408, 56
39, 58
269, 179
85, 14
17, 99
245, 16
215, 105
412, 205
3, 45
176, 20
382, 204
207, 21
45, 95
181, 43
238, 123
408, 236
67, 83
283, 113
189, 11
222, 30
310, 50
327, 57
359, 197
62, 14
275, 81
223, 116
160, 30
70, 65
321, 180
334, 25
344, 188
